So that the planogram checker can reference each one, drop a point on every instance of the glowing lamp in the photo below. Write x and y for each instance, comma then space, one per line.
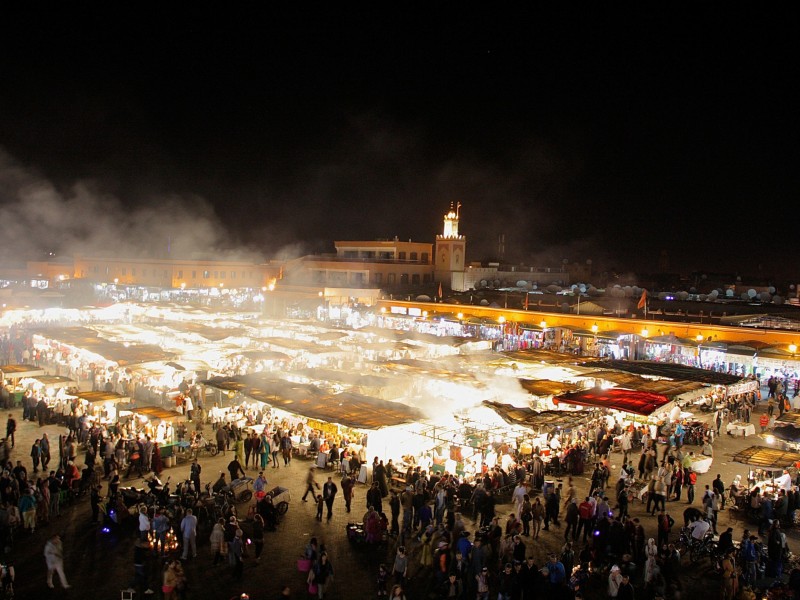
770, 439
501, 319
460, 316
594, 328
645, 332
543, 324
699, 337
792, 348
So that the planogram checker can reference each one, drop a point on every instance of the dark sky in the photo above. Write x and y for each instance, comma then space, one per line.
580, 134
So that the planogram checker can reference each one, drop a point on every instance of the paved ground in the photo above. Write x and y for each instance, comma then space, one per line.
99, 565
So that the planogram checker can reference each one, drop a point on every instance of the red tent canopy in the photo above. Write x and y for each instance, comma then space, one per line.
632, 401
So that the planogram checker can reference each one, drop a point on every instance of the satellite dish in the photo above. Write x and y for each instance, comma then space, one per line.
484, 302
752, 293
522, 283
714, 294
729, 293
771, 290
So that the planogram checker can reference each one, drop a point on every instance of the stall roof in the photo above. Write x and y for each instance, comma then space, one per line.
667, 387
546, 387
787, 433
632, 401
346, 377
156, 412
539, 356
299, 345
56, 381
789, 418
421, 367
212, 334
87, 339
102, 397
531, 418
672, 371
766, 458
262, 355
348, 409
21, 370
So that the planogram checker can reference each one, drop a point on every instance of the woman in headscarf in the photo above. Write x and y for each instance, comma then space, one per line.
426, 553
651, 556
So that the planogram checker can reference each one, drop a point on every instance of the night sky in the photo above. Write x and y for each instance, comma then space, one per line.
579, 134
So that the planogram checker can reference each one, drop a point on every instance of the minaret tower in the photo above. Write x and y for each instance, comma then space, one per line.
450, 251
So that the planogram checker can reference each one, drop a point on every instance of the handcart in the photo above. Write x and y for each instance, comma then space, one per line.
280, 499
241, 489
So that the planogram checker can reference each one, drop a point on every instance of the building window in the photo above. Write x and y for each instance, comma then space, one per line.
233, 274
414, 256
401, 255
216, 274
222, 274
425, 258
415, 279
426, 278
180, 274
194, 274
133, 272
404, 279
377, 278
205, 274
390, 279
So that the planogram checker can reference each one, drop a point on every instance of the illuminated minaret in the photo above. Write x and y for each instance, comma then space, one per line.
450, 251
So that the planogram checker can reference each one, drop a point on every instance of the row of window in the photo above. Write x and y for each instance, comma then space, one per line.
123, 272
369, 254
344, 278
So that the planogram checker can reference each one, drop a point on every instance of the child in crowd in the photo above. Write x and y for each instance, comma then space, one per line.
320, 505
383, 577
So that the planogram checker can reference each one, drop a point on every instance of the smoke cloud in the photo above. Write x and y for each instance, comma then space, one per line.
37, 219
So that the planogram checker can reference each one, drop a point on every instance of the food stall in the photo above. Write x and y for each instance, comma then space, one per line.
770, 468
101, 407
345, 419
159, 424
11, 376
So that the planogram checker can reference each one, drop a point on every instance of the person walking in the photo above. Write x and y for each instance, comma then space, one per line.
222, 440
54, 557
347, 490
276, 449
11, 428
237, 554
194, 475
189, 532
217, 541
258, 535
321, 575
329, 490
310, 484
264, 450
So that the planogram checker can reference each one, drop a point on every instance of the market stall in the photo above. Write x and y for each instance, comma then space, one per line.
160, 425
101, 407
770, 470
346, 419
11, 376
740, 429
